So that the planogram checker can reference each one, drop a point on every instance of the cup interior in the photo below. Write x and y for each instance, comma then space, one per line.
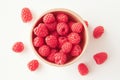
74, 17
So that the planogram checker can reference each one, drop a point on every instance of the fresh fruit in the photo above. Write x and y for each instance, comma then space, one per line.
38, 41
76, 50
51, 41
26, 15
41, 30
60, 58
33, 65
66, 47
83, 69
98, 31
18, 47
48, 18
44, 51
61, 37
51, 56
51, 26
62, 28
74, 38
77, 27
62, 17
100, 57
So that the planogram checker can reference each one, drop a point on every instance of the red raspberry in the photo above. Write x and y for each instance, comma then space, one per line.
33, 65
98, 31
62, 40
62, 28
51, 57
60, 58
66, 47
76, 50
74, 38
100, 57
55, 34
48, 18
62, 17
18, 47
71, 23
86, 22
41, 30
77, 27
26, 15
44, 50
38, 41
83, 69
51, 41
51, 26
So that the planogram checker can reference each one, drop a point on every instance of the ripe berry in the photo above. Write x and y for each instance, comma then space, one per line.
18, 47
26, 15
76, 50
62, 17
83, 69
62, 40
33, 65
98, 31
77, 27
38, 41
44, 51
66, 47
100, 57
71, 23
74, 38
60, 58
51, 41
51, 26
55, 34
41, 30
48, 18
51, 56
62, 28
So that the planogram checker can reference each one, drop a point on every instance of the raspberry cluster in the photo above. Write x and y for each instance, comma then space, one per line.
57, 37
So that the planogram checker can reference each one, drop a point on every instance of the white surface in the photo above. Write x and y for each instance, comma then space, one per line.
97, 12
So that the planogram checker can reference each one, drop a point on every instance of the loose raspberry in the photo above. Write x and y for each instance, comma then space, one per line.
86, 22
76, 50
51, 57
33, 65
48, 18
51, 41
62, 17
41, 30
26, 15
66, 47
51, 26
74, 38
100, 57
18, 47
44, 50
98, 31
62, 28
38, 41
60, 58
83, 69
77, 27
62, 40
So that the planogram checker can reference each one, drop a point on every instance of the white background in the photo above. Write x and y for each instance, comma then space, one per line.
98, 12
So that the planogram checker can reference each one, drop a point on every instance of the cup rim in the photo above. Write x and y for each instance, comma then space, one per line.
79, 18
